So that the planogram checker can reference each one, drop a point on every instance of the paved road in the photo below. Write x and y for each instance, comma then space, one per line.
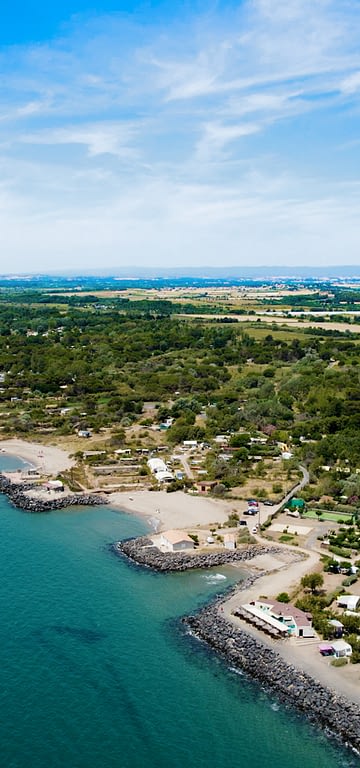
265, 511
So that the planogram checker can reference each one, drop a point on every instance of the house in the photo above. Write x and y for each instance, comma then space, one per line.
297, 623
166, 424
350, 602
190, 444
176, 541
221, 439
205, 486
54, 485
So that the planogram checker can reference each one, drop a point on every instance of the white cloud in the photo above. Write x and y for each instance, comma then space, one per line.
98, 138
351, 84
211, 138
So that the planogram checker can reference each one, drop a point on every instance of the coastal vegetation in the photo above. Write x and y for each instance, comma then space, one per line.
137, 368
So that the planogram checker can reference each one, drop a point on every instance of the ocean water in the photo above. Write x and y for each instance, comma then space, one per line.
97, 670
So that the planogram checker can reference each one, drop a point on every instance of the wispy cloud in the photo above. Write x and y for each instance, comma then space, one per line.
98, 138
214, 133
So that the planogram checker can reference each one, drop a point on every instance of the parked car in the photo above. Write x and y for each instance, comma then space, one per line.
242, 522
251, 511
268, 503
254, 529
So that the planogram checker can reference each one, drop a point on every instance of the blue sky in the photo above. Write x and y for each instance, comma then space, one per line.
168, 134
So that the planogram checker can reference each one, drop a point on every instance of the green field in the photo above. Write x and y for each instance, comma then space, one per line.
331, 517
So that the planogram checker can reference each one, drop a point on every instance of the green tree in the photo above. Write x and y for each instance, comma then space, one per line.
312, 581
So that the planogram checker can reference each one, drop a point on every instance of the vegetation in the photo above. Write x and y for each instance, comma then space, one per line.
88, 362
283, 597
312, 581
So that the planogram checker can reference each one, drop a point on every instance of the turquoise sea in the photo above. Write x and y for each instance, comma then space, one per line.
97, 671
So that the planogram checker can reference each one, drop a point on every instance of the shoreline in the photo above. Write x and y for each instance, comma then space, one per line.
47, 458
327, 701
293, 670
338, 716
16, 493
143, 552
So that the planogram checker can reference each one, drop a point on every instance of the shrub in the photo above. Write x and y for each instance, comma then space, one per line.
339, 662
283, 597
277, 488
349, 580
338, 551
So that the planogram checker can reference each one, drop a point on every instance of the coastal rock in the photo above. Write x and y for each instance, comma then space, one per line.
293, 687
16, 492
143, 552
321, 705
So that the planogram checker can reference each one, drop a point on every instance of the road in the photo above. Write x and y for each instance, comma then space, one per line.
186, 467
265, 511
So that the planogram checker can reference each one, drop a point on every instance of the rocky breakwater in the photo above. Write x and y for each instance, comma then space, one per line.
20, 495
143, 552
322, 706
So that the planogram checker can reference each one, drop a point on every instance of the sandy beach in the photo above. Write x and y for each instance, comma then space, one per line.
173, 510
49, 459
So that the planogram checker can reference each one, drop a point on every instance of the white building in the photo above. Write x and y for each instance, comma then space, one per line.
176, 541
297, 623
350, 602
160, 470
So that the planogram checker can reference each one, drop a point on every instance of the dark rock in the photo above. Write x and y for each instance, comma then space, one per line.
321, 705
16, 493
143, 552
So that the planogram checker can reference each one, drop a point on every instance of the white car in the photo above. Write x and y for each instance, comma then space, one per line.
254, 529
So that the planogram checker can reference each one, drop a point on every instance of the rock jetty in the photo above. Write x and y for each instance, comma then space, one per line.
16, 492
323, 706
143, 552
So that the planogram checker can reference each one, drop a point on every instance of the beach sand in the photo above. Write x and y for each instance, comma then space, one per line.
47, 458
173, 510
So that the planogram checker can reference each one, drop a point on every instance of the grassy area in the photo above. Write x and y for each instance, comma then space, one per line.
260, 332
331, 517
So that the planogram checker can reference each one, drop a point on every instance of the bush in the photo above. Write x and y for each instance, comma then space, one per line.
277, 488
339, 662
338, 551
283, 597
350, 580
